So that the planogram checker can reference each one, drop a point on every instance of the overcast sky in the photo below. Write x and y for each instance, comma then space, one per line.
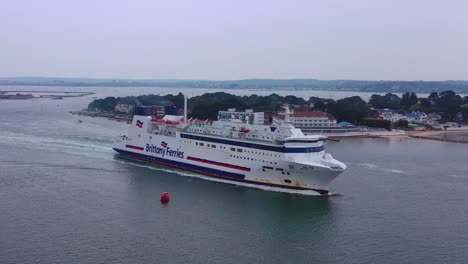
238, 39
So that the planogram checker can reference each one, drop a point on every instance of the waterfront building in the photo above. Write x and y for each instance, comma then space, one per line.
316, 122
417, 117
390, 115
247, 116
433, 118
123, 108
309, 119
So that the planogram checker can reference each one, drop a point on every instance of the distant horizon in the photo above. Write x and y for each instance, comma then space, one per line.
226, 80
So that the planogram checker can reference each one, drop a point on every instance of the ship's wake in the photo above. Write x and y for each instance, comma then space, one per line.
39, 142
374, 167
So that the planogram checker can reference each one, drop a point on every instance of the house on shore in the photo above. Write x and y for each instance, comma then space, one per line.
390, 115
416, 117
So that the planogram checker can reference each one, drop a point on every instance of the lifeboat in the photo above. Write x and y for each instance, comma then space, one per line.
244, 130
161, 121
172, 122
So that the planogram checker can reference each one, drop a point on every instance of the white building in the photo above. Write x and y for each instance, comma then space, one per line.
316, 122
123, 108
390, 115
417, 117
249, 116
309, 119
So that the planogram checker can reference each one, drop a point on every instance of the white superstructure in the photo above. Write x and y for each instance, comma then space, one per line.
247, 116
280, 156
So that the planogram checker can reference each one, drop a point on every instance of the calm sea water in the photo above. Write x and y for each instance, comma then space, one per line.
65, 197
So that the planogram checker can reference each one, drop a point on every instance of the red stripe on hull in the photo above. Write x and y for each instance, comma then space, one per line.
218, 164
320, 191
133, 147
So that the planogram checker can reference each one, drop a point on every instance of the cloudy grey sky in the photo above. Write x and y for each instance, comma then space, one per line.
238, 39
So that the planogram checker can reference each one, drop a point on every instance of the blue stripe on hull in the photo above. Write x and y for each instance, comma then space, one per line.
183, 165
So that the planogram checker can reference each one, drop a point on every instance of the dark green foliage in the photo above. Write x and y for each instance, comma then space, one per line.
402, 124
408, 99
208, 105
390, 101
447, 103
425, 103
376, 122
352, 109
107, 104
433, 98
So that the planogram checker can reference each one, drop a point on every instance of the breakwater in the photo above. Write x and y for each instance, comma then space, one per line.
447, 136
110, 116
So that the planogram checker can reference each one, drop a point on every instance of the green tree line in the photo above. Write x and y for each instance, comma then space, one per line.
353, 109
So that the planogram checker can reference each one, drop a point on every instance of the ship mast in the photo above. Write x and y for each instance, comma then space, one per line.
185, 108
287, 113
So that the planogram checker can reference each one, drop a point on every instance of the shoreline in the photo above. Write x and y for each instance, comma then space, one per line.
30, 94
109, 116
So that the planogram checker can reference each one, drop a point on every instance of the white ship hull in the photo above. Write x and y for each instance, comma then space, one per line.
291, 166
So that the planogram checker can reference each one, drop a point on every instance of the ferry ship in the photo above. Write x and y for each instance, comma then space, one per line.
279, 156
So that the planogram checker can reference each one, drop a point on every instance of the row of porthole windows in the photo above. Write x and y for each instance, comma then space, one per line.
311, 125
232, 149
263, 137
265, 168
212, 131
308, 120
201, 144
255, 152
281, 172
253, 159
